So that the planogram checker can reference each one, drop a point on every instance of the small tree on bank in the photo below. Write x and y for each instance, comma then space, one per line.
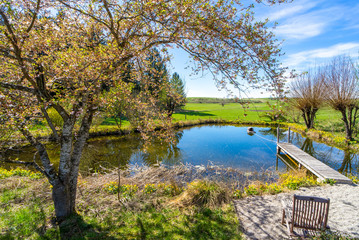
308, 94
342, 86
175, 95
60, 54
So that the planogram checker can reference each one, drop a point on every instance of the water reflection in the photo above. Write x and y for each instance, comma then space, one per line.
307, 146
125, 150
346, 166
343, 161
227, 146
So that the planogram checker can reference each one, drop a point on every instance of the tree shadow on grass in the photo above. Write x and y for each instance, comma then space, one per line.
201, 224
76, 228
71, 229
195, 113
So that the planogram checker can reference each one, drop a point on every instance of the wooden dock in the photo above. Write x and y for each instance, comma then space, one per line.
320, 169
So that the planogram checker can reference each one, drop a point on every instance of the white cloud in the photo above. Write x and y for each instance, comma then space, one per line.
310, 24
292, 9
304, 19
311, 57
301, 29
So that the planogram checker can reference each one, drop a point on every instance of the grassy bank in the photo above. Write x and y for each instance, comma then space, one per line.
150, 205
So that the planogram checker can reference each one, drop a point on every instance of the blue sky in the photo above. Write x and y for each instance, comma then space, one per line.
313, 31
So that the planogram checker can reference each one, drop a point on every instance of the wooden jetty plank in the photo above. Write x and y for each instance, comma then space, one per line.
320, 169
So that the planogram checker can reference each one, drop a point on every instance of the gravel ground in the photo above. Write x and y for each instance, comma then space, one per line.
260, 216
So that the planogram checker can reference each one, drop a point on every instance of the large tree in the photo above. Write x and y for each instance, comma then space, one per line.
342, 86
60, 55
308, 94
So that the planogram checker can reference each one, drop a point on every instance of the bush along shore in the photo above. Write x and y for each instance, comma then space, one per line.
182, 202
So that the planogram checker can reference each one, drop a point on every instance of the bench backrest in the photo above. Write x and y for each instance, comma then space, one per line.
310, 212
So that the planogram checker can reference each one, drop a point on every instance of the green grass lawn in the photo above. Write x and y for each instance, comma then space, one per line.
26, 210
230, 111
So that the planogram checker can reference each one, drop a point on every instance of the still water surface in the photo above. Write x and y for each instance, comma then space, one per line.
227, 146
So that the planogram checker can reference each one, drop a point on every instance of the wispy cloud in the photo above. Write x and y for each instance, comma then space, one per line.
311, 57
311, 24
304, 19
301, 29
291, 9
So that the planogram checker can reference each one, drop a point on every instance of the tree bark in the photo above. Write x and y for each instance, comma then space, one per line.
65, 188
64, 200
309, 116
348, 129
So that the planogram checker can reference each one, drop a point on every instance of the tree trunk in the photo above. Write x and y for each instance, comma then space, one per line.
348, 130
309, 116
64, 200
65, 187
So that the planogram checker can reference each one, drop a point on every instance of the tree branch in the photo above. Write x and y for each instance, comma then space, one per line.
49, 121
34, 16
17, 87
49, 170
85, 13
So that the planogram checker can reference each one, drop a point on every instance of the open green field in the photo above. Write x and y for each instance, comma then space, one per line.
327, 119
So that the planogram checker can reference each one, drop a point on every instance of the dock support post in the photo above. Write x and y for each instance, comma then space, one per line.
277, 135
278, 149
289, 135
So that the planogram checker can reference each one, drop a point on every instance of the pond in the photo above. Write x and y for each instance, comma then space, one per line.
226, 146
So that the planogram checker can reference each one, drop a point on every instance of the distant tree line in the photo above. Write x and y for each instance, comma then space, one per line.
220, 100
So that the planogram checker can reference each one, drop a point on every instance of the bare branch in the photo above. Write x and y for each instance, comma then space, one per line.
44, 157
17, 87
49, 121
34, 16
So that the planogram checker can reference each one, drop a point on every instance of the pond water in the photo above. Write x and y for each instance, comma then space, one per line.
227, 146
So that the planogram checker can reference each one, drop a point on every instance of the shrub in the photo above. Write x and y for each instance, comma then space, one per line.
257, 189
274, 188
126, 190
237, 194
274, 116
294, 182
170, 189
203, 193
149, 189
111, 187
354, 179
251, 190
4, 173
